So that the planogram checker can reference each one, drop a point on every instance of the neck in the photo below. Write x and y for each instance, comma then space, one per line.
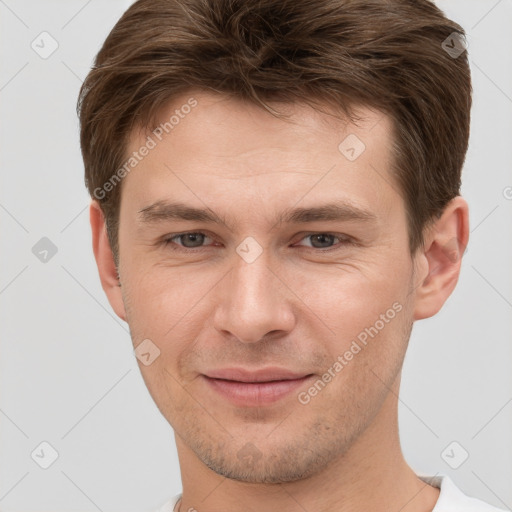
372, 475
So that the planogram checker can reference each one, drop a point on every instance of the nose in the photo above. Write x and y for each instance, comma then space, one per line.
253, 302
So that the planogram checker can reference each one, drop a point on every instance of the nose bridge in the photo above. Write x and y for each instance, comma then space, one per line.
251, 302
251, 280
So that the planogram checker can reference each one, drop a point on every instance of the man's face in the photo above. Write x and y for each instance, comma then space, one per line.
265, 293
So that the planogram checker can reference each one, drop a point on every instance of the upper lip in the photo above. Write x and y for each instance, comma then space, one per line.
260, 375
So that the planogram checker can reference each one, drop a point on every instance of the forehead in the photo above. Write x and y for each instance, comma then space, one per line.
213, 148
214, 117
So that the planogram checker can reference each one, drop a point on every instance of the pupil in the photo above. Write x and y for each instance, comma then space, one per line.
194, 237
322, 237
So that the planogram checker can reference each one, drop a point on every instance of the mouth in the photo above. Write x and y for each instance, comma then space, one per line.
246, 388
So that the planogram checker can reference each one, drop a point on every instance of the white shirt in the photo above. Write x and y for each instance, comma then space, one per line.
451, 498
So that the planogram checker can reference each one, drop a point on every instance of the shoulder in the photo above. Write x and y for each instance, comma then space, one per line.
452, 499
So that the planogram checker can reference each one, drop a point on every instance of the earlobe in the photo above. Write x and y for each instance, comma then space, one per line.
105, 260
444, 247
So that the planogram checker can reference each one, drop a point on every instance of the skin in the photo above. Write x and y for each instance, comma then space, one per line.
294, 307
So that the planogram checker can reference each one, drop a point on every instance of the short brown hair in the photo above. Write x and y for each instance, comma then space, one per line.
387, 54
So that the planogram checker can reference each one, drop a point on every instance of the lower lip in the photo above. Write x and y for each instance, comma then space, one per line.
255, 394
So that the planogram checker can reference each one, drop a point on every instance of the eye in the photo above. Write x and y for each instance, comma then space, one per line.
322, 242
187, 240
326, 240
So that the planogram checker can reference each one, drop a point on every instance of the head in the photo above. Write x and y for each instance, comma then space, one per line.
315, 150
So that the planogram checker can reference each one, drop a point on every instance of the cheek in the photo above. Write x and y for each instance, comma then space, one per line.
364, 359
346, 300
165, 300
168, 308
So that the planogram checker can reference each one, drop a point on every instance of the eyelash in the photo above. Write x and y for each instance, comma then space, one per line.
168, 242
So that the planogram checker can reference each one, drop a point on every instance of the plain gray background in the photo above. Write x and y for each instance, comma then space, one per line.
68, 375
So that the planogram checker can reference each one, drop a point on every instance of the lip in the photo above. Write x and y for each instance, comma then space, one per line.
254, 388
260, 375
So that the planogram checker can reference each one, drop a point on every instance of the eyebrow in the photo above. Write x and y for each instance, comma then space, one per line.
162, 211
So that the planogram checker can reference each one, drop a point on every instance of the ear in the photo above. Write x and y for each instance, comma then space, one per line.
441, 257
105, 260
